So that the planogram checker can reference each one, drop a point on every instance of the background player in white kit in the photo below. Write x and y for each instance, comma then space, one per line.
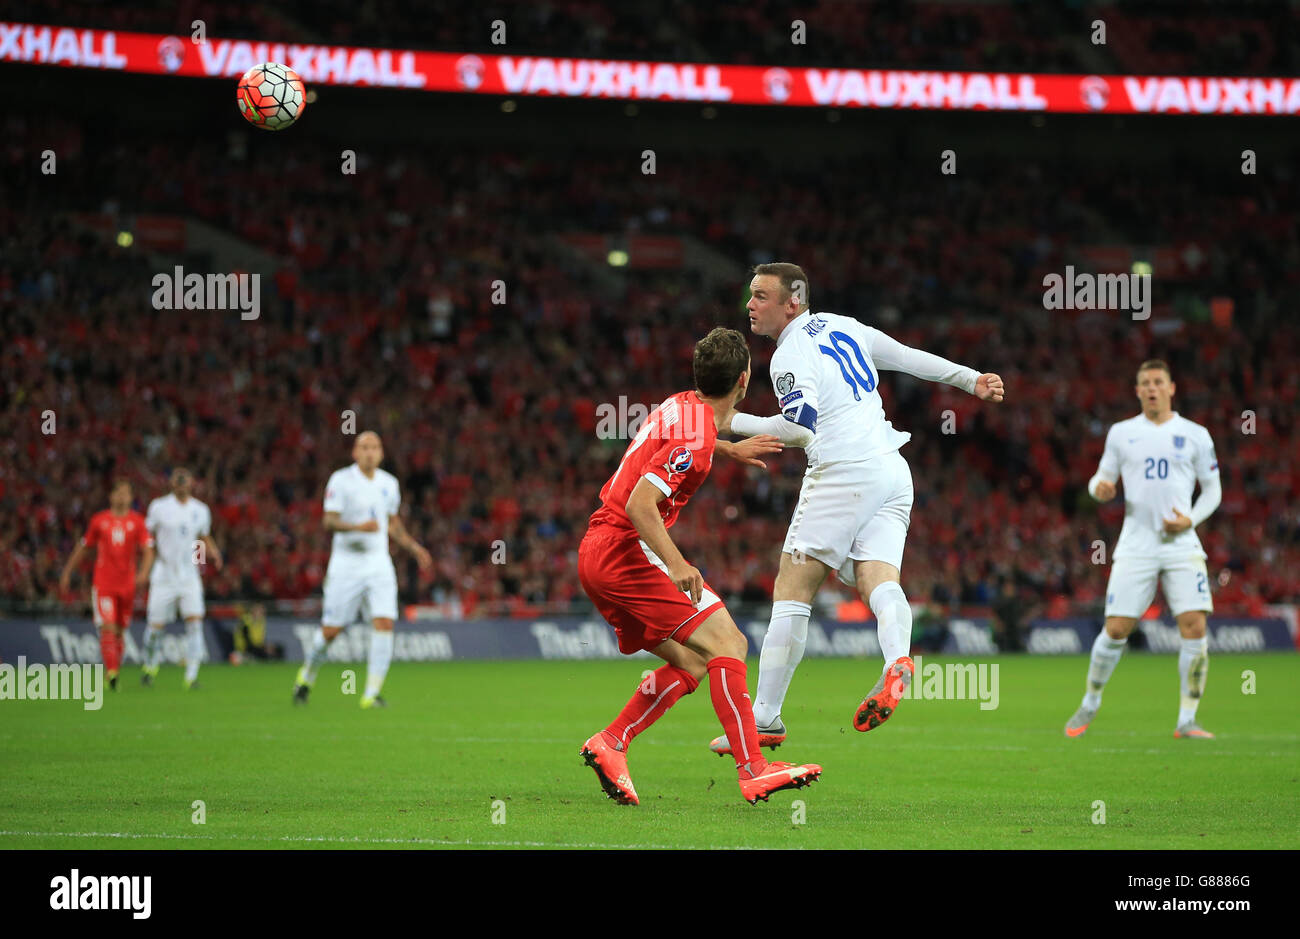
178, 523
361, 503
856, 501
1161, 456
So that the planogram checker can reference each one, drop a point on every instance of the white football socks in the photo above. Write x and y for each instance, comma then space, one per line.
315, 655
1193, 669
153, 646
783, 647
194, 648
381, 653
893, 620
1106, 653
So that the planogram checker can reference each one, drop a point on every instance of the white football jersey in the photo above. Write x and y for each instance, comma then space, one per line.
1160, 465
176, 526
358, 499
824, 372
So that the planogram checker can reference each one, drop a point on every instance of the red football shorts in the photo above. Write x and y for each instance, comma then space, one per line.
630, 586
112, 607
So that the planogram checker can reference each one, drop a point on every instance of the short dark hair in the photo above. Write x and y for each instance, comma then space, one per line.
790, 275
1153, 364
118, 483
720, 359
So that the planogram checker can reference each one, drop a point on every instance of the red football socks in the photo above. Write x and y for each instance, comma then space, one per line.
654, 696
110, 647
736, 712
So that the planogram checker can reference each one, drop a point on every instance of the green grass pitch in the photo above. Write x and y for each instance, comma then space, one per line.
485, 754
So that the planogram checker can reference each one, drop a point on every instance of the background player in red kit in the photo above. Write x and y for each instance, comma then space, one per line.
116, 534
654, 599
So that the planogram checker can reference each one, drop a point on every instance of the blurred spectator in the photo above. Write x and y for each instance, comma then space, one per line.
1012, 611
246, 637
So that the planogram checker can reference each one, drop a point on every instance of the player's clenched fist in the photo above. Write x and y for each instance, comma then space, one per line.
988, 387
688, 579
1105, 491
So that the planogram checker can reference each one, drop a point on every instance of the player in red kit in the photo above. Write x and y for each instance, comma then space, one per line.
116, 535
654, 599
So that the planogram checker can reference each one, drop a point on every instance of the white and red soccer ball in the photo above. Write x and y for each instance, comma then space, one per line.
271, 96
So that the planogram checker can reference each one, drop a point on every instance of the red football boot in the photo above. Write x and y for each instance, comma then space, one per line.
611, 769
882, 700
775, 777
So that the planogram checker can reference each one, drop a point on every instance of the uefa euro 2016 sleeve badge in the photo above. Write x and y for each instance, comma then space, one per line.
680, 460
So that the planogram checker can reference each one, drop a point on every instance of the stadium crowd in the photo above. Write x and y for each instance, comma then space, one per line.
490, 411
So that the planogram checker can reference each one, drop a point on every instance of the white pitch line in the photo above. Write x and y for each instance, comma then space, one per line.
331, 840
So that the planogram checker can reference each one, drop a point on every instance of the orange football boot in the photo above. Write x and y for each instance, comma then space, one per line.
611, 769
775, 777
882, 700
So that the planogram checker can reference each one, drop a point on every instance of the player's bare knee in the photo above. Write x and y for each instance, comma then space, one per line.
1119, 627
330, 632
798, 577
727, 642
681, 657
384, 625
789, 588
1191, 625
737, 644
696, 667
718, 637
868, 575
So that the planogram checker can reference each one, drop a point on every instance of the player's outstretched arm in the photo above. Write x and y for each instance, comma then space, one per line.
397, 532
643, 512
749, 450
892, 355
65, 579
790, 433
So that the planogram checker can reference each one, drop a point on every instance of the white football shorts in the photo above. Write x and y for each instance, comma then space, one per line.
166, 599
853, 512
1132, 585
369, 596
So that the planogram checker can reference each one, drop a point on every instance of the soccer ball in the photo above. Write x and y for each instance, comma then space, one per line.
271, 96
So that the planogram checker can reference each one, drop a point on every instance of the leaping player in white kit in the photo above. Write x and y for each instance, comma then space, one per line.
361, 503
1161, 456
179, 524
856, 501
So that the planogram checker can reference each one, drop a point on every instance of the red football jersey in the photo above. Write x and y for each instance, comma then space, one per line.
116, 538
673, 450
